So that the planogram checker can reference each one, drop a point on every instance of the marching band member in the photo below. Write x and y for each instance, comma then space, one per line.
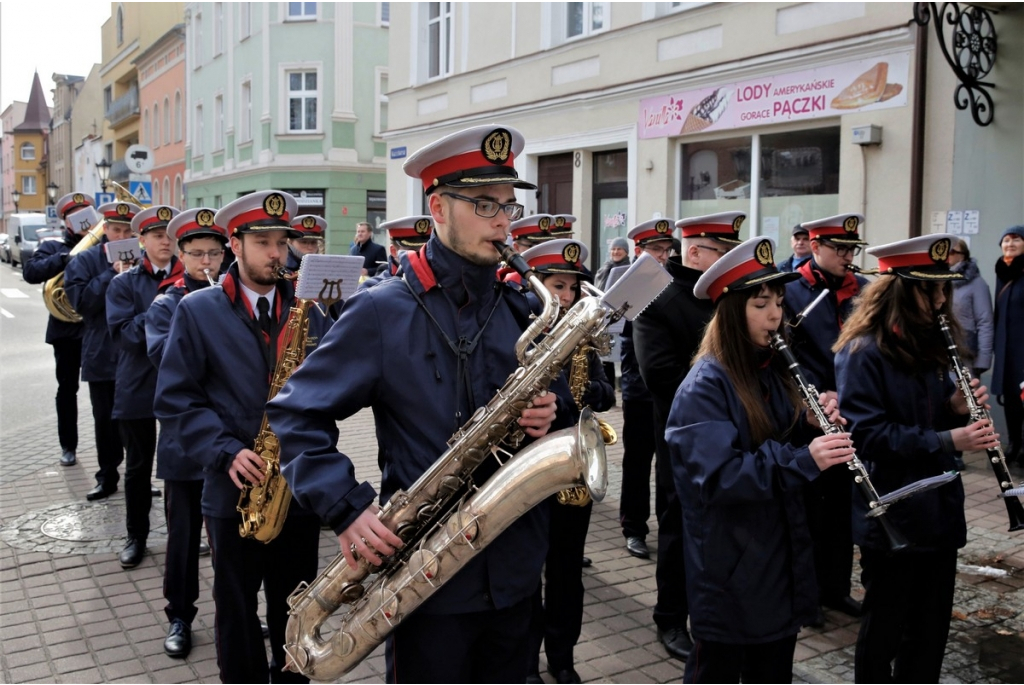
407, 233
740, 456
559, 620
313, 229
214, 380
48, 260
86, 280
666, 336
425, 351
561, 226
835, 241
531, 231
201, 245
128, 298
907, 417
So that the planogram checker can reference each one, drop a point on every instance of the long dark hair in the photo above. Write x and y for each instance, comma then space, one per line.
727, 340
888, 312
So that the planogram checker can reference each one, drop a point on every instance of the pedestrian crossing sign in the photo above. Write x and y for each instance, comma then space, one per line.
142, 190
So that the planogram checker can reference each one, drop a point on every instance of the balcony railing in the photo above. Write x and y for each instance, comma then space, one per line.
125, 107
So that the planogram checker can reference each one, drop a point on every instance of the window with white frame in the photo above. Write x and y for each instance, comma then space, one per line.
178, 198
156, 125
302, 101
197, 133
385, 14
177, 116
197, 41
380, 118
147, 135
439, 39
168, 200
156, 193
218, 28
585, 18
218, 122
28, 185
244, 20
301, 11
120, 25
245, 113
28, 151
167, 120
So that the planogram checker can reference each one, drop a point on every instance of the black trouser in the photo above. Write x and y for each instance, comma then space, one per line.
67, 353
183, 510
720, 662
558, 619
139, 437
482, 647
1013, 409
609, 371
671, 608
637, 455
828, 500
908, 602
109, 448
240, 566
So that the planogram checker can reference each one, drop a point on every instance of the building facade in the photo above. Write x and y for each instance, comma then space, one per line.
12, 115
62, 142
29, 141
87, 134
289, 96
161, 69
639, 110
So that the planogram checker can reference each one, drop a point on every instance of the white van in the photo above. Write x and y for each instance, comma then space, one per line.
23, 229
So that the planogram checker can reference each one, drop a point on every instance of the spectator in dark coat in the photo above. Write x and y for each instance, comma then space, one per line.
372, 253
1008, 373
972, 307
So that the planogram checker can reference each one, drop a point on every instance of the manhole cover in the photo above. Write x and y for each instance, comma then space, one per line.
79, 528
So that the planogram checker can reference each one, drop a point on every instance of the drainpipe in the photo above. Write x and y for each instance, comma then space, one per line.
917, 135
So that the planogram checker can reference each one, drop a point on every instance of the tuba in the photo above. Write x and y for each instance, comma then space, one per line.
443, 518
54, 297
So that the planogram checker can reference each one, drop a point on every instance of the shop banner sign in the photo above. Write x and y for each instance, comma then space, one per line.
869, 84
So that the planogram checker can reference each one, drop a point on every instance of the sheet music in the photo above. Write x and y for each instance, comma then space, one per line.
83, 219
126, 250
328, 276
638, 287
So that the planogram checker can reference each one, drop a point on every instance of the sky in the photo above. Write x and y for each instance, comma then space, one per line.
47, 36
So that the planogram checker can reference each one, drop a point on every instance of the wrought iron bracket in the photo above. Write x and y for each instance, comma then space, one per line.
970, 51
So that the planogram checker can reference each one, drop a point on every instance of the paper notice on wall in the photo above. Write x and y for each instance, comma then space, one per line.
972, 221
770, 228
955, 222
938, 223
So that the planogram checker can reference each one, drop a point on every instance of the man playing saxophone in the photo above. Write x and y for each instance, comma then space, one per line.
215, 374
425, 351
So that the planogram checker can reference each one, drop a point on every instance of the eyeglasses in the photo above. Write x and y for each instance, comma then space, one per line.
658, 249
955, 252
489, 208
199, 254
843, 250
719, 250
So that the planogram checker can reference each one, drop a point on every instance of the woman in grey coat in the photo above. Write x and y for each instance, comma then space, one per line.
972, 306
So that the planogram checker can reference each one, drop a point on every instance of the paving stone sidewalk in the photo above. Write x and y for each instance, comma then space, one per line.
70, 614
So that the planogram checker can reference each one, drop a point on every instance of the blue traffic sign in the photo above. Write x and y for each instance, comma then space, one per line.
104, 198
142, 190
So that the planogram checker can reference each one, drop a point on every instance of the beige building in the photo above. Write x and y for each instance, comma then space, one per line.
87, 124
638, 110
62, 141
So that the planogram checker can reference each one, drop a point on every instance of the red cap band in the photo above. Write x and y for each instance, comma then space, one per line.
905, 260
734, 274
467, 160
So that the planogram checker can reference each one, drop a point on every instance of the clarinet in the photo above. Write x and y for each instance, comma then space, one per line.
1008, 491
876, 504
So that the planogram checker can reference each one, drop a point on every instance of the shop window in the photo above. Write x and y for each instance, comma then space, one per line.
376, 207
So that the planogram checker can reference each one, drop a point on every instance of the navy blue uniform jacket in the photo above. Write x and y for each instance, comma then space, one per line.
900, 422
171, 460
812, 340
128, 298
749, 567
46, 262
86, 280
214, 380
385, 353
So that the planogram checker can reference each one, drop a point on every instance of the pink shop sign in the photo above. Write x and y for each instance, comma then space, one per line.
834, 90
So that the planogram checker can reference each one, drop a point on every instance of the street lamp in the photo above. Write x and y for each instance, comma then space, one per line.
16, 196
51, 191
103, 168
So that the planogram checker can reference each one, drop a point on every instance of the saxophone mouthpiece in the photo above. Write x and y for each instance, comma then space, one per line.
209, 278
285, 274
511, 257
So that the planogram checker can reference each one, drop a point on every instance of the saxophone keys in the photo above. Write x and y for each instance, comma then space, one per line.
351, 592
389, 606
426, 564
462, 528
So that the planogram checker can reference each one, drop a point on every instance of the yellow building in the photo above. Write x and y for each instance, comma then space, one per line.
131, 29
29, 163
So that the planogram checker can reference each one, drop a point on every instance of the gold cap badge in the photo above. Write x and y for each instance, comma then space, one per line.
204, 217
496, 146
274, 205
422, 226
939, 250
763, 253
571, 253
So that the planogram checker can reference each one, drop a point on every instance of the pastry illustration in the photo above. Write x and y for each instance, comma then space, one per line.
891, 91
707, 111
868, 88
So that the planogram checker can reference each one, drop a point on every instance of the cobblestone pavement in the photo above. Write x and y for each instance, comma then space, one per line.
70, 614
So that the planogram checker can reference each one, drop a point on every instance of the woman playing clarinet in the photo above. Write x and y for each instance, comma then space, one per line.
908, 420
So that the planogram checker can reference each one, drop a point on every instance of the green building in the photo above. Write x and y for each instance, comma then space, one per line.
289, 95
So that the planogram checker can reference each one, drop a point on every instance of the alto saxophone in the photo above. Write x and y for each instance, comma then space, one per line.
264, 506
443, 518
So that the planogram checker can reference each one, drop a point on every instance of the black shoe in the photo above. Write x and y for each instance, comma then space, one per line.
534, 679
265, 628
565, 675
637, 546
100, 492
204, 548
154, 491
68, 458
178, 643
845, 605
677, 642
131, 555
587, 562
818, 621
